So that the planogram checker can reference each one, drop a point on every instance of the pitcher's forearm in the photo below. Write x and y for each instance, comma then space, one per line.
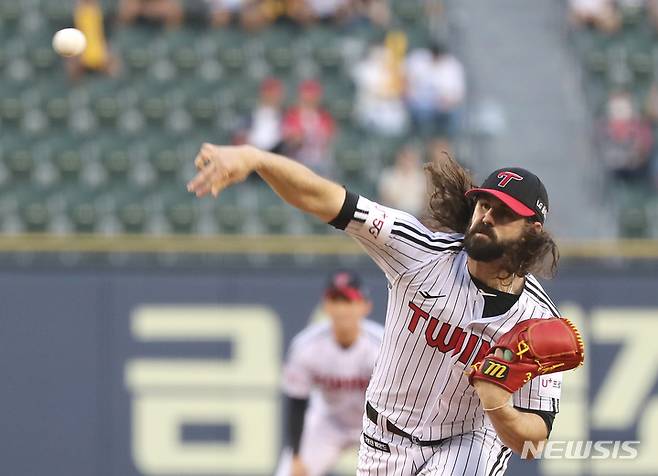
514, 428
299, 186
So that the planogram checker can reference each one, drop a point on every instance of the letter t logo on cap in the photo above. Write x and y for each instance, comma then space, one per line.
506, 177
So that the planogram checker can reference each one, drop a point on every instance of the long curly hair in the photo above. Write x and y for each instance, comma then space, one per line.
450, 210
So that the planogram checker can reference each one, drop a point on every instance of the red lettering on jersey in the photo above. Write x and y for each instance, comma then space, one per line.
455, 341
418, 313
506, 177
333, 383
377, 223
482, 351
470, 345
460, 342
440, 340
376, 227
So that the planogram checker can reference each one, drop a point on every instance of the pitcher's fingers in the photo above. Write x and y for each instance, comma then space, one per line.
207, 174
199, 188
198, 182
215, 190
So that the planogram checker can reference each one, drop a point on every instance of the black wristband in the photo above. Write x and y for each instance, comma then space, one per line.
346, 212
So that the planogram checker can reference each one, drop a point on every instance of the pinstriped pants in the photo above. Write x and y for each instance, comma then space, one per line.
475, 453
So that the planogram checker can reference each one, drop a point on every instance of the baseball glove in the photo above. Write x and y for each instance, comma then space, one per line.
532, 347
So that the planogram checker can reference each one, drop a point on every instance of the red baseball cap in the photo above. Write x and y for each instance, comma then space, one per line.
345, 285
519, 189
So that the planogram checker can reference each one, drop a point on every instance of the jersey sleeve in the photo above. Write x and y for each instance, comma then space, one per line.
297, 375
541, 393
394, 239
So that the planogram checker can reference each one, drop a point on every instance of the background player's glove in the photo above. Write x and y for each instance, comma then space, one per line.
532, 347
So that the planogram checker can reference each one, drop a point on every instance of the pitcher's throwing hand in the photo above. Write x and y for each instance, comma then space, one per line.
220, 167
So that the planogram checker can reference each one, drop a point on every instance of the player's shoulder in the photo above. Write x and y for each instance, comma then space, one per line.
373, 330
410, 229
312, 333
536, 294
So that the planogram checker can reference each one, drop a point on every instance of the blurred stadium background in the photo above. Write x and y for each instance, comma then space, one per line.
142, 330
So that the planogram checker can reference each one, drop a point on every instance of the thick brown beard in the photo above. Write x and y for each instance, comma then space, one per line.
483, 251
535, 252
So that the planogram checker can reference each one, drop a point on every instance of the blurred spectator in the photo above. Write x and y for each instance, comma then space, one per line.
652, 11
308, 130
438, 148
379, 80
251, 14
652, 114
376, 12
403, 186
600, 14
311, 11
435, 89
97, 57
263, 128
167, 12
625, 139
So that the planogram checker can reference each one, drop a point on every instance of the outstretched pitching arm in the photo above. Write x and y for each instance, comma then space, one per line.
219, 167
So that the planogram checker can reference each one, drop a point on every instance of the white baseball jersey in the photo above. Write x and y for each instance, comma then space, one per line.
335, 380
434, 327
333, 377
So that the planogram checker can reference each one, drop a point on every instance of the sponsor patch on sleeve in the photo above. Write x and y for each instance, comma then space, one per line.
379, 223
550, 386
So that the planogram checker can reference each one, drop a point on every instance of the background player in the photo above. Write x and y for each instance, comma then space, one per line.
456, 284
326, 374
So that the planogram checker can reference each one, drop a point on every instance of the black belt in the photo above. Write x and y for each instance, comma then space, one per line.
373, 417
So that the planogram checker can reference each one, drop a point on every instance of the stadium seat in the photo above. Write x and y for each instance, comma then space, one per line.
165, 162
315, 226
117, 163
68, 164
274, 215
351, 156
202, 109
228, 212
58, 14
339, 100
11, 112
279, 50
84, 217
106, 110
57, 111
181, 210
410, 12
233, 59
10, 14
19, 162
33, 209
130, 209
82, 209
43, 59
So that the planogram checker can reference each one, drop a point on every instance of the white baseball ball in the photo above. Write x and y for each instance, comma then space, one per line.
69, 42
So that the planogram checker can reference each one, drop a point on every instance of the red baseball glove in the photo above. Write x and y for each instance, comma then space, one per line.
532, 347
